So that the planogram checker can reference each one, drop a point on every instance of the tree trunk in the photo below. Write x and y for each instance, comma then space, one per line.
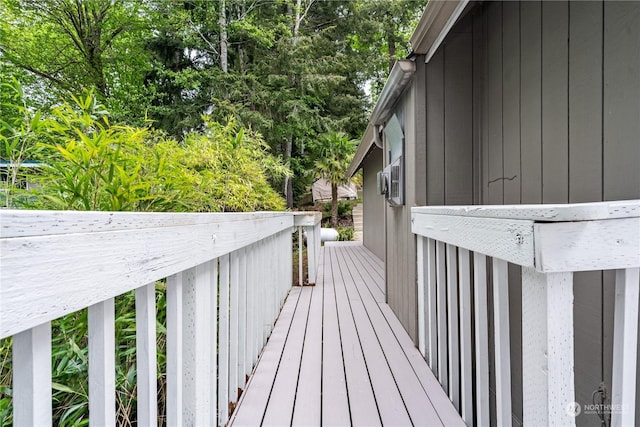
288, 184
391, 44
334, 205
224, 62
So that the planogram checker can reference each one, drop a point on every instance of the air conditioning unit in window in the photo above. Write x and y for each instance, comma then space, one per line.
394, 176
382, 183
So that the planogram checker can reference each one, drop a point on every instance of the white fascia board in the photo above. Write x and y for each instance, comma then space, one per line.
368, 139
438, 18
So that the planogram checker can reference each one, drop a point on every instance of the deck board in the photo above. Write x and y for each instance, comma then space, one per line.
339, 356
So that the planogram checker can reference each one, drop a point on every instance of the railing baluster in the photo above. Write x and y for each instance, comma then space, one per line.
233, 327
625, 347
198, 312
311, 253
422, 304
252, 315
432, 313
223, 342
502, 342
102, 370
466, 344
32, 376
300, 247
482, 338
146, 355
242, 318
174, 350
441, 291
547, 348
452, 322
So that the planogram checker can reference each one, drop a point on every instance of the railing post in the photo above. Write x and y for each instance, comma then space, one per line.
625, 348
312, 252
547, 348
32, 376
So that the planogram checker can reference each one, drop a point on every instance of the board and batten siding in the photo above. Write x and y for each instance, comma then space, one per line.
373, 204
400, 268
562, 120
523, 103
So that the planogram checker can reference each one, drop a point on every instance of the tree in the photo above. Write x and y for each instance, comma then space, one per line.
72, 45
336, 153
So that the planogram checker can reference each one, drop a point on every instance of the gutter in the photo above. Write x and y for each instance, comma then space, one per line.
398, 79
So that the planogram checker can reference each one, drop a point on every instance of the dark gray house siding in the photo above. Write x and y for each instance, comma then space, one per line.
373, 205
525, 102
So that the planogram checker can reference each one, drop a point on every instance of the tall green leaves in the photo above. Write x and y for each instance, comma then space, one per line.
90, 164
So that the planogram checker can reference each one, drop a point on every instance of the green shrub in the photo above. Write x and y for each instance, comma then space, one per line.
92, 164
345, 233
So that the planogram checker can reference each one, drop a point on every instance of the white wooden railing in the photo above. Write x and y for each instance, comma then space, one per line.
236, 268
550, 242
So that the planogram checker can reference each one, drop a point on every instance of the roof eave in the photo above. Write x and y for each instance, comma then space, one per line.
438, 18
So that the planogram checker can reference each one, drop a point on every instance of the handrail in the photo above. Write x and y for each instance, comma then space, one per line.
550, 243
233, 267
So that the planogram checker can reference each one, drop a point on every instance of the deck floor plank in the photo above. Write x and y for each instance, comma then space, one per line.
256, 395
339, 356
414, 397
308, 404
335, 403
361, 397
279, 409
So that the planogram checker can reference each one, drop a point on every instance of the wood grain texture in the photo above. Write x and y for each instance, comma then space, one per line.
545, 213
117, 261
466, 341
548, 379
102, 368
32, 379
146, 353
481, 325
453, 322
588, 245
174, 350
198, 384
625, 347
510, 239
502, 351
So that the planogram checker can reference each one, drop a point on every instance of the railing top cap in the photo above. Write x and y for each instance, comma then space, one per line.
22, 223
543, 213
307, 218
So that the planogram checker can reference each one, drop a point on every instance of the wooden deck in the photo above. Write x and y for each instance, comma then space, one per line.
339, 356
